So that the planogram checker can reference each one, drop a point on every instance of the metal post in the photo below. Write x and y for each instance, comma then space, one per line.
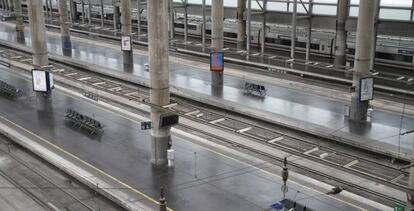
263, 37
89, 13
309, 32
374, 39
204, 25
410, 196
363, 49
51, 11
64, 29
139, 17
116, 16
72, 9
102, 14
340, 48
162, 201
217, 14
83, 11
293, 36
38, 33
19, 21
241, 25
185, 20
172, 26
159, 77
126, 23
47, 8
249, 27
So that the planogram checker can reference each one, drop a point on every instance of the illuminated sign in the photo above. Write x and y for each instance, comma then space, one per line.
216, 61
42, 81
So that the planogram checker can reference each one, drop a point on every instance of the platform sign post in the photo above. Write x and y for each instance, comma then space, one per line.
366, 89
126, 44
216, 61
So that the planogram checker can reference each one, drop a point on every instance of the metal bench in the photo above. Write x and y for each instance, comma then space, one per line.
9, 90
83, 121
254, 89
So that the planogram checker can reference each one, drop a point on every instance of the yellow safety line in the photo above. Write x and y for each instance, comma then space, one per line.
82, 161
242, 162
146, 196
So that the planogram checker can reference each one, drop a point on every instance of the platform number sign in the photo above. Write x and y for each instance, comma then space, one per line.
216, 61
146, 125
366, 89
126, 43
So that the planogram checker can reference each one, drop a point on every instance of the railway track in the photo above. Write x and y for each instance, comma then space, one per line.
273, 136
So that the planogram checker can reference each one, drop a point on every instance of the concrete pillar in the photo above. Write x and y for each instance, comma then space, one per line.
309, 32
11, 7
89, 13
172, 19
139, 7
203, 32
241, 25
340, 46
293, 36
363, 49
64, 30
116, 17
102, 13
127, 31
73, 10
374, 38
19, 21
51, 11
38, 32
263, 35
217, 15
159, 76
83, 11
185, 20
249, 27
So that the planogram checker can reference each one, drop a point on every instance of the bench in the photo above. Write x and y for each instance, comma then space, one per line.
254, 89
83, 121
9, 90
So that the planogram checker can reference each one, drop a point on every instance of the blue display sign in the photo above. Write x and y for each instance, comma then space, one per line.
216, 61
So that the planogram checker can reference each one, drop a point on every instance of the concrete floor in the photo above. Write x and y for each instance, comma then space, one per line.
301, 106
219, 183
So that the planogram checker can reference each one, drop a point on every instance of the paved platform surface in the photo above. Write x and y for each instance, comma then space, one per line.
201, 180
382, 133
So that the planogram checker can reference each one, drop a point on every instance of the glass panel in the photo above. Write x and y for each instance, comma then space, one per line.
324, 9
353, 11
394, 14
397, 3
277, 6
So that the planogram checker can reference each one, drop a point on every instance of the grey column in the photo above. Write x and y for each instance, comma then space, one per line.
363, 49
293, 36
374, 38
116, 16
340, 46
19, 21
203, 32
172, 22
73, 10
241, 25
89, 13
38, 32
83, 11
309, 32
159, 76
139, 17
185, 20
217, 15
263, 37
410, 195
10, 3
64, 29
249, 27
102, 14
51, 11
127, 31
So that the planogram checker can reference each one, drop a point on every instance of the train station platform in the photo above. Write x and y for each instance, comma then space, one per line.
205, 177
291, 104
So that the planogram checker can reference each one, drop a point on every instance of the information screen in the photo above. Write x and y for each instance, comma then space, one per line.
366, 89
216, 61
39, 81
126, 43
